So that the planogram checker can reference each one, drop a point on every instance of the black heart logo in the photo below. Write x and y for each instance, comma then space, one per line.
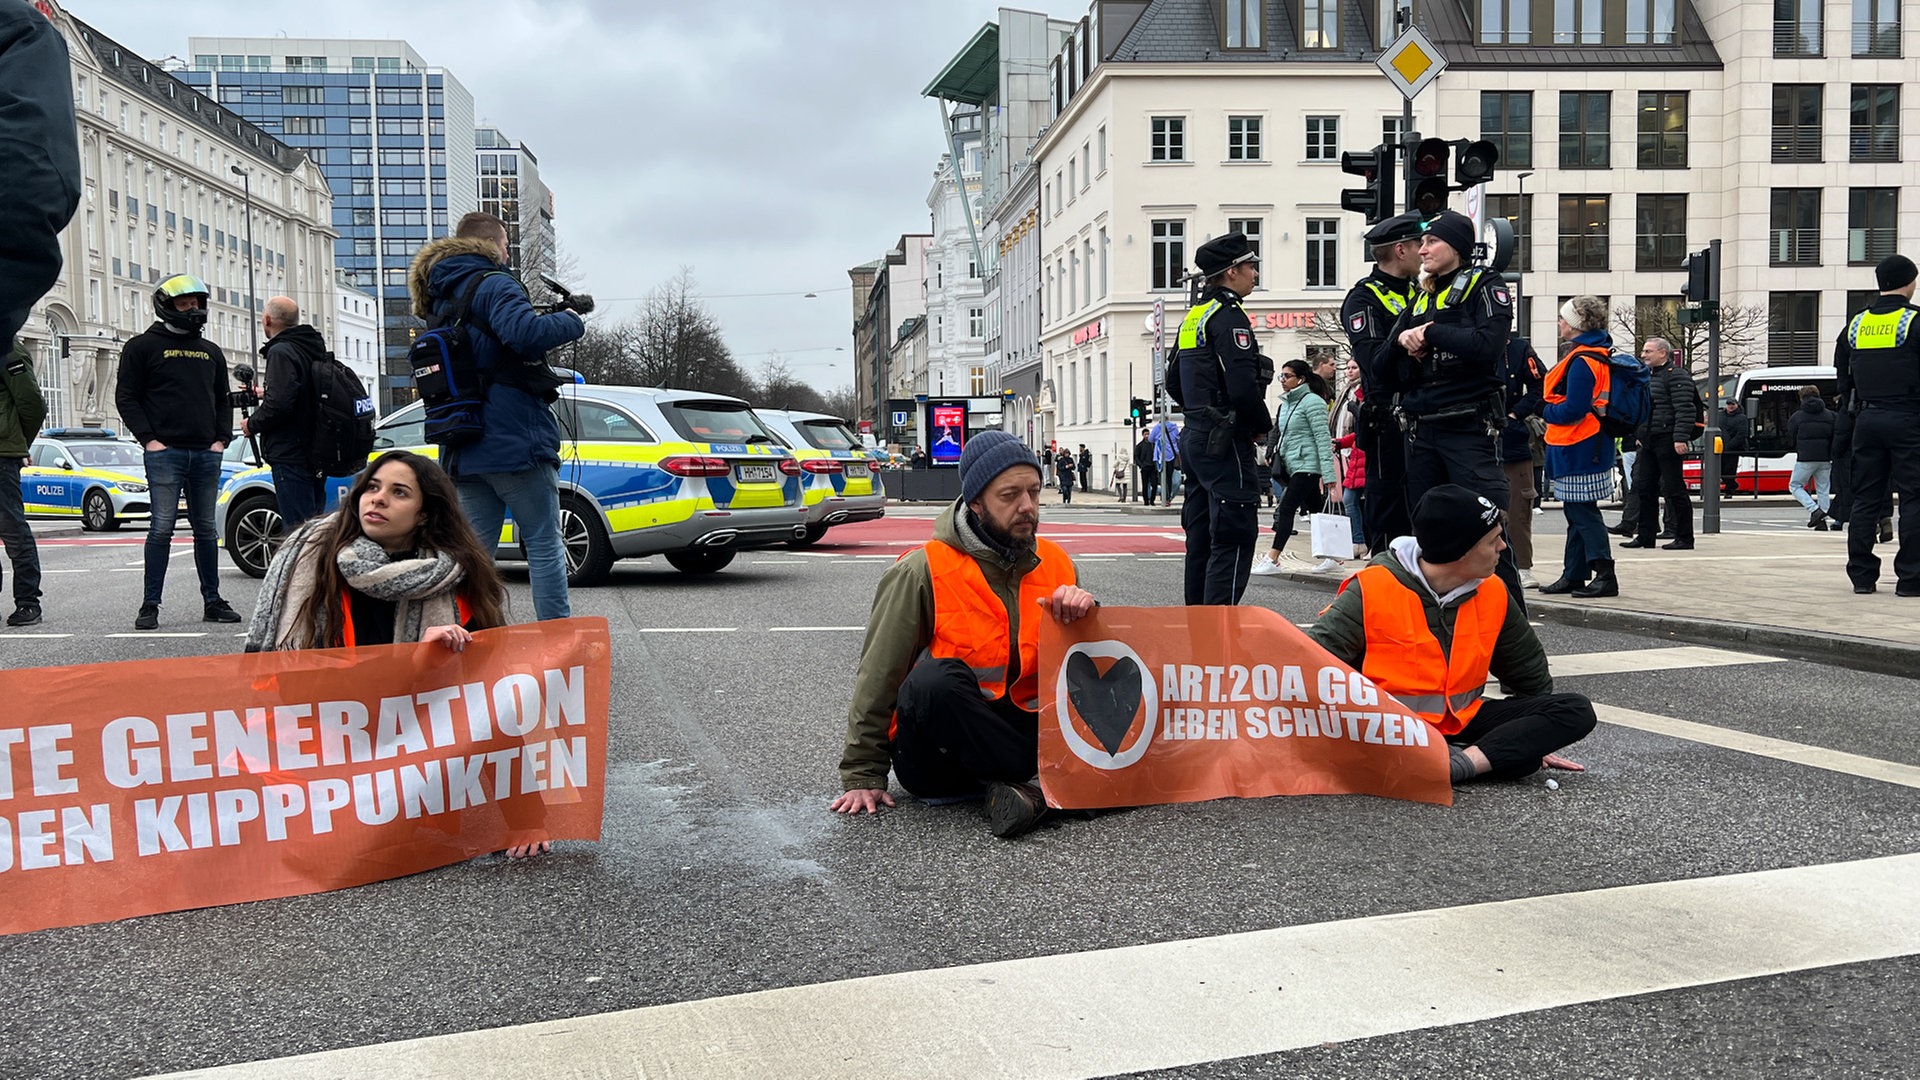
1107, 702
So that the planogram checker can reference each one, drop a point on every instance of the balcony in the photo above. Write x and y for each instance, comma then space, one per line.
1868, 246
1796, 247
1796, 39
1876, 41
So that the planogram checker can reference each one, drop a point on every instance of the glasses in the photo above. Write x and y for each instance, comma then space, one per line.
1285, 375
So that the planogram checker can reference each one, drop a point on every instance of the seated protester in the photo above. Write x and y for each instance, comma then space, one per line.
1428, 621
948, 689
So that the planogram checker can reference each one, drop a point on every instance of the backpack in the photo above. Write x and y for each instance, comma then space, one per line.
342, 418
1629, 401
447, 376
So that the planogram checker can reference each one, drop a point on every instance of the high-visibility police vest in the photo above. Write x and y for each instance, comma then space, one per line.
1193, 328
1394, 302
1451, 296
1885, 365
971, 624
1554, 391
1404, 658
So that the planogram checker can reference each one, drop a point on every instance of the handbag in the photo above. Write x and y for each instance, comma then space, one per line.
1332, 536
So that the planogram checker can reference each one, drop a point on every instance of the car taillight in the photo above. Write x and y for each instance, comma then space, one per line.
688, 465
790, 466
821, 465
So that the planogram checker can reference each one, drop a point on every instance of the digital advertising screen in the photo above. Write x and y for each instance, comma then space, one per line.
947, 433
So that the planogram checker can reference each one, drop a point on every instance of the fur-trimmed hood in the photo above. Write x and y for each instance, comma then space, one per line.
431, 256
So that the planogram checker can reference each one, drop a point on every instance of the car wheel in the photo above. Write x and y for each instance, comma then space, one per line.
96, 512
253, 528
699, 560
814, 533
584, 541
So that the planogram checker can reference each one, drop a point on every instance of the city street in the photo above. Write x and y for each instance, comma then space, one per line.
1726, 891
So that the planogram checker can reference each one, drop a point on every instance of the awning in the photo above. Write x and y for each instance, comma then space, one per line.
972, 76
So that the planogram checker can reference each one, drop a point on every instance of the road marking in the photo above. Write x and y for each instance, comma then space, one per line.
1163, 558
29, 637
1686, 656
811, 629
778, 562
1818, 757
1179, 1003
685, 629
160, 633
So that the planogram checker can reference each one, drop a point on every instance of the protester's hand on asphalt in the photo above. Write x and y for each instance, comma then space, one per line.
521, 851
1069, 602
1555, 761
453, 637
868, 800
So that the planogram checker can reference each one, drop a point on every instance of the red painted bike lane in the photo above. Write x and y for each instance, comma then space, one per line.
892, 535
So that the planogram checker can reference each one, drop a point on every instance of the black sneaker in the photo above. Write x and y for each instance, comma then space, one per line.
1886, 530
220, 611
149, 617
1013, 809
1815, 519
26, 614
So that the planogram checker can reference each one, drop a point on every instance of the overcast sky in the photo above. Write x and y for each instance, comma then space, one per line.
769, 145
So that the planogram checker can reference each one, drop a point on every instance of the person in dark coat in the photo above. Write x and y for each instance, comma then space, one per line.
1149, 472
1086, 468
1811, 430
1736, 427
283, 424
39, 159
1675, 410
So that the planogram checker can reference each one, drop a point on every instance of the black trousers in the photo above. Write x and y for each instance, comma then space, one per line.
1886, 458
1461, 452
1221, 516
1656, 475
1301, 493
1384, 511
1149, 483
1515, 733
952, 741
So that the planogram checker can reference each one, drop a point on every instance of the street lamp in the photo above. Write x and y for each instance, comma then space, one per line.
253, 319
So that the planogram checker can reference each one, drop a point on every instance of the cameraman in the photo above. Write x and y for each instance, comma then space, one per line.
284, 420
515, 465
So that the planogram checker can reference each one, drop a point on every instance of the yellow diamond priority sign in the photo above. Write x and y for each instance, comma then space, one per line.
1411, 62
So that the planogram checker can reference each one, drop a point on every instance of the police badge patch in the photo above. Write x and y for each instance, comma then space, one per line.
1358, 322
1501, 295
1243, 339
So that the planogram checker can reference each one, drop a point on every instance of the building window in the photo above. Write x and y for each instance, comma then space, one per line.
1793, 218
1871, 231
1242, 25
1169, 253
1517, 209
1101, 135
1652, 22
1660, 232
1859, 300
1243, 138
1796, 27
1506, 120
976, 322
1873, 127
1876, 29
1251, 227
1584, 129
1392, 128
1583, 233
1323, 252
1576, 22
1103, 262
1320, 24
1796, 123
1663, 129
1793, 328
1169, 138
1323, 138
1506, 22
400, 128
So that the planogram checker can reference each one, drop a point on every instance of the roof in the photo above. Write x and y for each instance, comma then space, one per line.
1447, 23
1183, 31
972, 76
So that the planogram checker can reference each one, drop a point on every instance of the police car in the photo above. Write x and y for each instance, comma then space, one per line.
691, 476
94, 477
838, 470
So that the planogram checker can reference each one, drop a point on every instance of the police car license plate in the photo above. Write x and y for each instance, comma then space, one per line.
758, 473
858, 468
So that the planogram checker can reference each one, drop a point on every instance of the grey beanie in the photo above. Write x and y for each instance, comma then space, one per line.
987, 455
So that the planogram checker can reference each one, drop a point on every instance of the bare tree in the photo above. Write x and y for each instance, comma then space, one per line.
779, 389
1327, 330
1743, 335
841, 403
678, 343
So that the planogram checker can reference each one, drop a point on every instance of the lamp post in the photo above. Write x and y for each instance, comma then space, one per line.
253, 318
1520, 215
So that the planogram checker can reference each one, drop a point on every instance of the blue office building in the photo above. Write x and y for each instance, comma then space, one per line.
393, 136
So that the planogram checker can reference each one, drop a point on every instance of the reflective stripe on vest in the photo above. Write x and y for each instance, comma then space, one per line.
970, 623
1193, 328
1450, 296
1553, 392
1404, 658
1885, 330
1394, 302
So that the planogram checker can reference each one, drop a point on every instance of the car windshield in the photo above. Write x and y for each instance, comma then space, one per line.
715, 422
827, 434
106, 455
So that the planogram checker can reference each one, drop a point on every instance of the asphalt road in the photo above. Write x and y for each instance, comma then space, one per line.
721, 871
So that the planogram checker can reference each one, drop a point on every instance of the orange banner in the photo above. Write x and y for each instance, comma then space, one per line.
158, 785
1164, 705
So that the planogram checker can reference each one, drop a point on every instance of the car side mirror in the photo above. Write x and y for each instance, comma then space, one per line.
65, 464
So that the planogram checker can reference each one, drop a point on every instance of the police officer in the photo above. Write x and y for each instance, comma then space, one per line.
1219, 379
1373, 305
1877, 360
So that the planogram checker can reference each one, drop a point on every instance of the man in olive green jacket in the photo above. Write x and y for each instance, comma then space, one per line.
954, 736
22, 411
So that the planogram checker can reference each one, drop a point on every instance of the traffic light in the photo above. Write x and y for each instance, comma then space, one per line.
1699, 288
1375, 166
1427, 177
1141, 407
1473, 162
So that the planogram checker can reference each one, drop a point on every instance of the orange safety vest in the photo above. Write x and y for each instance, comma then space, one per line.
1553, 392
971, 624
1405, 659
346, 615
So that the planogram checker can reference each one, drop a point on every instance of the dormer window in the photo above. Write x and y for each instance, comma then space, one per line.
1320, 24
1240, 23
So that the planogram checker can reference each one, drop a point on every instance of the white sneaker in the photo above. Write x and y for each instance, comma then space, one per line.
1265, 565
1326, 566
1289, 561
1526, 580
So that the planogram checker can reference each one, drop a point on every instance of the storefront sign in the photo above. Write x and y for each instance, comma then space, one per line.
1091, 332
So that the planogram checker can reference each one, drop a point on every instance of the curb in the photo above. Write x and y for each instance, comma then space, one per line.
1839, 650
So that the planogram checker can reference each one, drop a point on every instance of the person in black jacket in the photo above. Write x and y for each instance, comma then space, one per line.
172, 393
1368, 316
1811, 430
1149, 472
284, 420
1663, 444
39, 161
1736, 427
1524, 376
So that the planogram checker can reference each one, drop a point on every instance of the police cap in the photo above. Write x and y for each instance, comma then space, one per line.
1221, 252
1394, 229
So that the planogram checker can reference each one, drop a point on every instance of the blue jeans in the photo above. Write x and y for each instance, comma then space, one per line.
170, 473
17, 535
1821, 473
1351, 497
533, 495
1586, 539
300, 493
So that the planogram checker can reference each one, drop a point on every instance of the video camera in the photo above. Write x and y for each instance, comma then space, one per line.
246, 398
579, 303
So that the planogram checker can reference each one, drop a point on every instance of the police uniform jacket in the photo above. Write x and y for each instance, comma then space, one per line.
1221, 366
1372, 306
1469, 315
1877, 359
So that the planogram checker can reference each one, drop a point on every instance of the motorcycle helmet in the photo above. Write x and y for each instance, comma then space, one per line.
172, 289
